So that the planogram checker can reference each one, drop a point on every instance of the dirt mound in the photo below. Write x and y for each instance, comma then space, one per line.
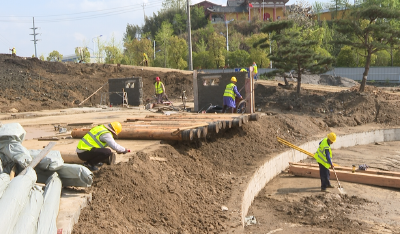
185, 193
330, 211
30, 84
346, 108
323, 80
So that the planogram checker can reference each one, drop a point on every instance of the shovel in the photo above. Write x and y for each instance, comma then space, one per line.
341, 190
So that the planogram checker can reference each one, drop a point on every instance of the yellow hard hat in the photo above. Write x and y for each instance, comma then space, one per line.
332, 137
13, 47
233, 79
144, 53
116, 126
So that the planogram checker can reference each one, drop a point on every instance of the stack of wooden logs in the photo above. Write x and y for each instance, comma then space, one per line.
185, 127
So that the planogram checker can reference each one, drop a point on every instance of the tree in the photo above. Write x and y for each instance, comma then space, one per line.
368, 29
396, 59
134, 50
132, 32
83, 54
55, 56
201, 57
174, 4
258, 55
177, 51
346, 57
216, 48
163, 37
197, 17
296, 51
239, 58
41, 57
382, 59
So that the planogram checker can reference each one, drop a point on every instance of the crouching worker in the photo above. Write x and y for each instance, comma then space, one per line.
92, 147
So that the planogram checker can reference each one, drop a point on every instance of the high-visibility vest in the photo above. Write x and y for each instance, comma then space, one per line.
92, 138
255, 68
14, 51
145, 57
159, 87
320, 155
243, 70
229, 91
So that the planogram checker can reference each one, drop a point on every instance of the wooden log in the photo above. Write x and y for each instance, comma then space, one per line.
218, 115
197, 133
71, 157
349, 169
213, 128
237, 122
143, 134
166, 123
204, 132
360, 178
228, 123
254, 117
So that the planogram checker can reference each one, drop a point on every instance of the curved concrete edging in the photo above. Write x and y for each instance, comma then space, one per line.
275, 165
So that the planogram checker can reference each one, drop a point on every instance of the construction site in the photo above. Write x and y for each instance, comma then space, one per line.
190, 170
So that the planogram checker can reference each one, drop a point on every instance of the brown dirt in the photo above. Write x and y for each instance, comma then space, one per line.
29, 84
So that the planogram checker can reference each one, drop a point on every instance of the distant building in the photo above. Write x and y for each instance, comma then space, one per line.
244, 10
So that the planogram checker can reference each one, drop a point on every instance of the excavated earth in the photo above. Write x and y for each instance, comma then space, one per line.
29, 84
184, 193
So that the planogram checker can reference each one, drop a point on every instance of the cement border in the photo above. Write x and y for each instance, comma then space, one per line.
280, 162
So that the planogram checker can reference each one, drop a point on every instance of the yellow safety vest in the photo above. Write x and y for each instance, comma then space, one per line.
255, 69
229, 91
14, 51
92, 138
145, 57
243, 70
159, 89
320, 155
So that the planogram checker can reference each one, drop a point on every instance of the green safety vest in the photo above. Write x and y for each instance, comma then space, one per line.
159, 89
92, 138
320, 155
255, 69
229, 91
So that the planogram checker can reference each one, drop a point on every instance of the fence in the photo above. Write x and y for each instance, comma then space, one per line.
381, 74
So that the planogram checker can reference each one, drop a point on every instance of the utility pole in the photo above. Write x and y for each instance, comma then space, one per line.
144, 14
190, 62
34, 36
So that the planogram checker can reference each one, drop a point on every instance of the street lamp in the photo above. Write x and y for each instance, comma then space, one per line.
94, 44
227, 41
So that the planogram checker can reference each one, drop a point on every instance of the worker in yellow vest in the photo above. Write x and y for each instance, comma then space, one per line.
159, 90
255, 71
92, 147
145, 60
13, 51
229, 96
324, 159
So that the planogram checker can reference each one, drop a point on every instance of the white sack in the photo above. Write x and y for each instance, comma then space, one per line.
48, 214
53, 160
4, 181
12, 131
28, 219
70, 175
14, 199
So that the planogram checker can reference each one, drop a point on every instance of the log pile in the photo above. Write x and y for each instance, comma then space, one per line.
185, 127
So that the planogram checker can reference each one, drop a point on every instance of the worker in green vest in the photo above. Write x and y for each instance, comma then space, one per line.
159, 90
13, 51
92, 147
229, 96
324, 159
255, 71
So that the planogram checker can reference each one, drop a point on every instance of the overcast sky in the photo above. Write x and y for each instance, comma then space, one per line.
66, 24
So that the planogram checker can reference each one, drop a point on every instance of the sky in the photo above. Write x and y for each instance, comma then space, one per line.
64, 25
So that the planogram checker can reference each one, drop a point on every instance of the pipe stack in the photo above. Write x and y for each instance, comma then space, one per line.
183, 127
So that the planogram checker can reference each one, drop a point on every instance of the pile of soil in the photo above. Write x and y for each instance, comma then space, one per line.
329, 211
185, 193
322, 80
31, 84
340, 109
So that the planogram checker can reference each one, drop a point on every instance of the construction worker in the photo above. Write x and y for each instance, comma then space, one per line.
243, 70
159, 90
255, 71
324, 159
13, 51
230, 94
145, 60
92, 147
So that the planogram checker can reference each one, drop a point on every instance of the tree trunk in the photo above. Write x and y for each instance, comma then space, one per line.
365, 74
285, 79
298, 82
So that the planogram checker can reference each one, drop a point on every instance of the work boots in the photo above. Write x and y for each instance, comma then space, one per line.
111, 159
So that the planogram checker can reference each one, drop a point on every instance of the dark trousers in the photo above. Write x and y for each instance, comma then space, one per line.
95, 155
228, 109
324, 174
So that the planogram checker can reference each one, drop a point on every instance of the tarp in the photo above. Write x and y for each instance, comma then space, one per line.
4, 181
70, 175
14, 199
53, 160
51, 204
12, 131
28, 219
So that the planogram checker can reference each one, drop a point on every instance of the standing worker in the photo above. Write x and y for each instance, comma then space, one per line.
159, 90
13, 51
145, 60
255, 71
92, 147
324, 159
229, 95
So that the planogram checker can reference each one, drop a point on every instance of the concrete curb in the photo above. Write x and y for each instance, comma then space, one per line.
277, 164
